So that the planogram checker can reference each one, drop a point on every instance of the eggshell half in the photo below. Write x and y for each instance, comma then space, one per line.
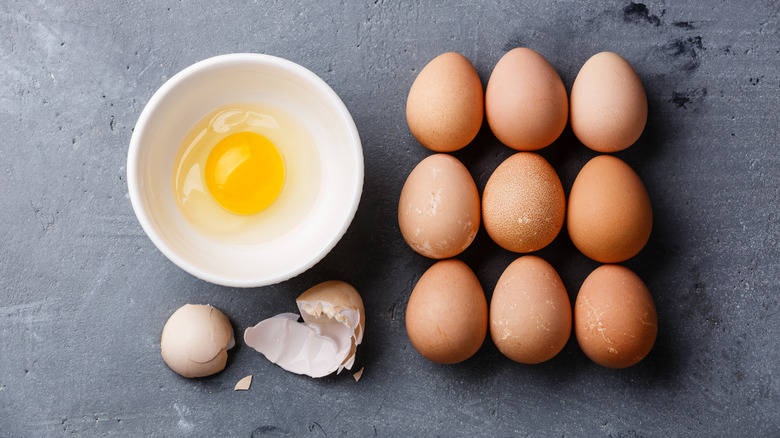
326, 341
195, 340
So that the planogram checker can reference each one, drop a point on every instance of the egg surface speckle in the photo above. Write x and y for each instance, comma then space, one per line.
523, 205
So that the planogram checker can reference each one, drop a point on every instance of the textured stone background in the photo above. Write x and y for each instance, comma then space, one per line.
84, 293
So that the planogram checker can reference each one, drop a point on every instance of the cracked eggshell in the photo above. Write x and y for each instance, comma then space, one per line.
523, 205
326, 340
439, 209
195, 340
530, 312
444, 108
447, 314
614, 317
608, 104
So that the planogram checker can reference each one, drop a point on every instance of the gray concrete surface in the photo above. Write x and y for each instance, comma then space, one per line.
84, 293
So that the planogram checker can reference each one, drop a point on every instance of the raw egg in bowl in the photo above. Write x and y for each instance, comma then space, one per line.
245, 169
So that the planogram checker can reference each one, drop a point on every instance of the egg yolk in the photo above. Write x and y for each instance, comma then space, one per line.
244, 172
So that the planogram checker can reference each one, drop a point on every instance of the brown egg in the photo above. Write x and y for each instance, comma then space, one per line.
530, 312
614, 317
525, 101
608, 104
445, 104
610, 217
446, 318
438, 212
523, 205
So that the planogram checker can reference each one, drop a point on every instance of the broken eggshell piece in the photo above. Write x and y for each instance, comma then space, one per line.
195, 340
326, 340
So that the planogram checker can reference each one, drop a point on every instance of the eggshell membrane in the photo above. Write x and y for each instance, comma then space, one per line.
530, 312
615, 320
339, 294
523, 205
439, 210
608, 104
326, 340
609, 213
525, 102
445, 104
195, 340
447, 314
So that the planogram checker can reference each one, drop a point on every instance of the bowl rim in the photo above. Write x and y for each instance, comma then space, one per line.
156, 100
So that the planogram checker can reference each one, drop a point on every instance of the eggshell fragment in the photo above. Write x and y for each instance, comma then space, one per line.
610, 217
446, 318
608, 104
523, 205
445, 104
243, 384
326, 341
614, 317
439, 210
358, 374
195, 340
525, 102
530, 312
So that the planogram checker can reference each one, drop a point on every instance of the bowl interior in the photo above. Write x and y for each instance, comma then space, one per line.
188, 97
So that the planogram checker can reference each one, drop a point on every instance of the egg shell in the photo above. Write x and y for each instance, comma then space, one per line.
530, 312
609, 213
608, 104
445, 104
439, 210
339, 294
615, 320
523, 205
195, 340
525, 102
447, 314
326, 341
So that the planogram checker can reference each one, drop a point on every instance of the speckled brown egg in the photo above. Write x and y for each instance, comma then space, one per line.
614, 317
530, 312
523, 205
439, 210
447, 314
525, 101
608, 104
444, 108
609, 215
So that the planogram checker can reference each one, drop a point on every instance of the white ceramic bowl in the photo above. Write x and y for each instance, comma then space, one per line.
193, 93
